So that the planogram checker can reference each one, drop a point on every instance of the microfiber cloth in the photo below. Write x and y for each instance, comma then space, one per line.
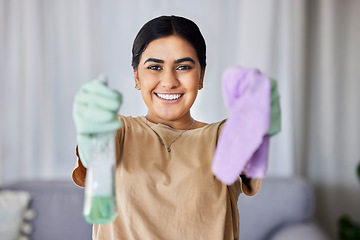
243, 144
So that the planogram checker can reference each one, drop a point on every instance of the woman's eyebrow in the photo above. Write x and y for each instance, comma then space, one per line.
185, 59
154, 60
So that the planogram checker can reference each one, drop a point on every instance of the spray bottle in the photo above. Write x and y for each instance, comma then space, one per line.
100, 202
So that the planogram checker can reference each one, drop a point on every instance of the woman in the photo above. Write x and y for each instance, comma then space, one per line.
164, 185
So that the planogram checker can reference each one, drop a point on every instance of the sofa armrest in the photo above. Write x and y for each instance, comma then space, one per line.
299, 231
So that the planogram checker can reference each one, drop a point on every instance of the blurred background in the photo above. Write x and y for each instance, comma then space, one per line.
48, 49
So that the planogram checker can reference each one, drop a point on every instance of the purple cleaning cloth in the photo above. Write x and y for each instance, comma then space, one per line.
243, 144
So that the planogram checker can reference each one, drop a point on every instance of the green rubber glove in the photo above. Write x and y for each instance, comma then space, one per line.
275, 122
95, 111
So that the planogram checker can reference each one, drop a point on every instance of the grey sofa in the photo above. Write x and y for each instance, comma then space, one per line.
282, 210
58, 209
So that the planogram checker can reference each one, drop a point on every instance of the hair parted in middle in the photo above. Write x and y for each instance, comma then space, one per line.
166, 26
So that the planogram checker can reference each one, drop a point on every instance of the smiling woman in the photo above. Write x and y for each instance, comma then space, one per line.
165, 188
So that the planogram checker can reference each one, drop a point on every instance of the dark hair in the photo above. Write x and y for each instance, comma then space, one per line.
165, 26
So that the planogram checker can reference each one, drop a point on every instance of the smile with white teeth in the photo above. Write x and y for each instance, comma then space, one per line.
168, 96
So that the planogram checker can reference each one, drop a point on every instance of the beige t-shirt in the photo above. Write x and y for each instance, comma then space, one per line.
169, 195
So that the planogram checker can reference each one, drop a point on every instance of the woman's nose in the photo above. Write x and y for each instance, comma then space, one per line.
170, 79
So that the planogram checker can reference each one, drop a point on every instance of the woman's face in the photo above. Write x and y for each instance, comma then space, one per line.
169, 77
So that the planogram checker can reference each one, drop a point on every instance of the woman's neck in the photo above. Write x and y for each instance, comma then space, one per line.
182, 123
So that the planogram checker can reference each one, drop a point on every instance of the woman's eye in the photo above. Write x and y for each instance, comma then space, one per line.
183, 67
154, 67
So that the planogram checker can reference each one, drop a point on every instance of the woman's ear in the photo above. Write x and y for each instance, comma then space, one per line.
201, 85
136, 76
201, 81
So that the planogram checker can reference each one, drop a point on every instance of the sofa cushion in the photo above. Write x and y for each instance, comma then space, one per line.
13, 206
301, 231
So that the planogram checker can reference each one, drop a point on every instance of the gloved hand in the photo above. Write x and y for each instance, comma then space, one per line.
275, 122
95, 111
